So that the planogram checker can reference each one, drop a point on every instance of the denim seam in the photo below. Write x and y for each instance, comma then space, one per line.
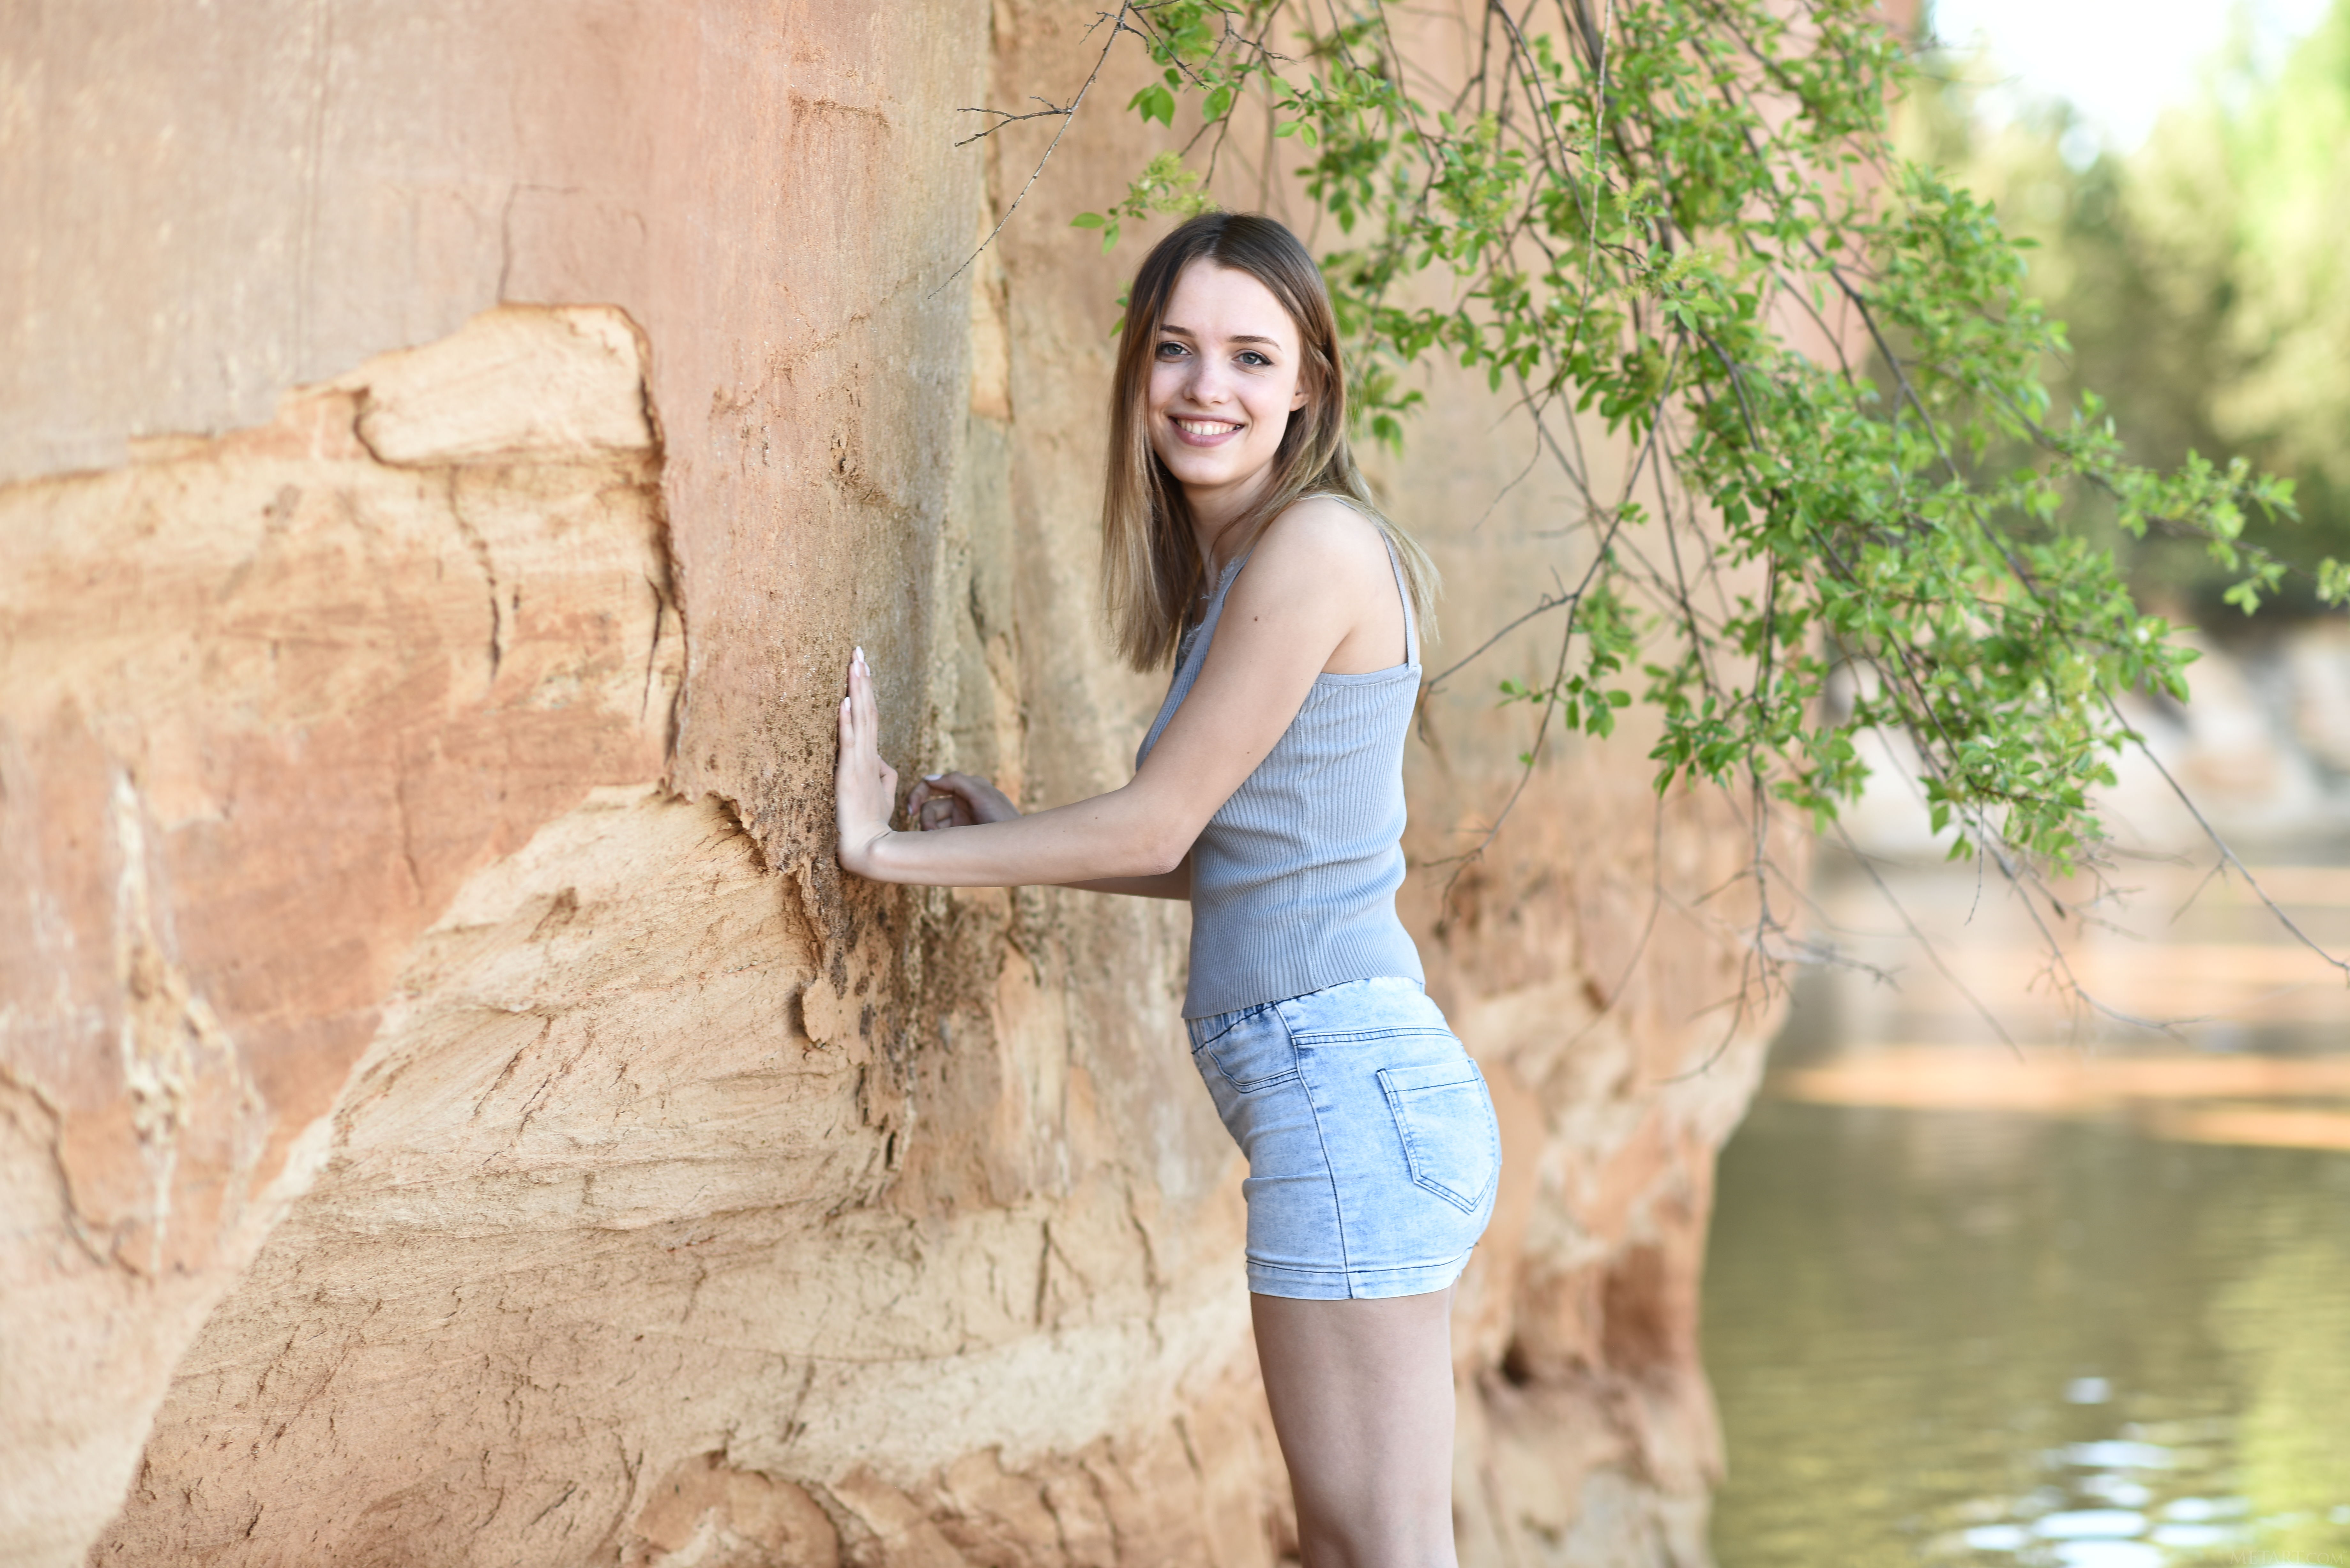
1252, 1086
1270, 1267
1354, 1279
1337, 1207
1385, 1031
1372, 1276
1238, 1016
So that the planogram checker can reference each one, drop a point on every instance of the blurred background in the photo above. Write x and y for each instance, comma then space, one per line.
2036, 1250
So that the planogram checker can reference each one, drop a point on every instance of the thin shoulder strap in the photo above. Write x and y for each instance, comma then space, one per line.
1395, 564
1202, 631
1403, 591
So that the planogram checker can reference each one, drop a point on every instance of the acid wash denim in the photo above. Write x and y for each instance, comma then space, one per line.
1373, 1152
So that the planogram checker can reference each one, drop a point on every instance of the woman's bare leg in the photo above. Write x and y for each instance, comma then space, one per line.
1362, 1401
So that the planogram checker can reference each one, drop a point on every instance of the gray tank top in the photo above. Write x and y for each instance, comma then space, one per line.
1293, 880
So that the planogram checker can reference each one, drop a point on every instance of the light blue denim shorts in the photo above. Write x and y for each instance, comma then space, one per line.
1372, 1148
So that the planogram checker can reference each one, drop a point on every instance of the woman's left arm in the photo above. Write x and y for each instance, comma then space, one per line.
941, 801
1299, 596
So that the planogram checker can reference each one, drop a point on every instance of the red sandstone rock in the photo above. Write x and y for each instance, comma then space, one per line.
269, 701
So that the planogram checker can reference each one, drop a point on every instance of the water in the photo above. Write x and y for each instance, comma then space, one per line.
1980, 1338
2101, 1327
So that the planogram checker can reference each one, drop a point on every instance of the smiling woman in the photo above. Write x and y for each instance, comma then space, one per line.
1239, 541
1245, 338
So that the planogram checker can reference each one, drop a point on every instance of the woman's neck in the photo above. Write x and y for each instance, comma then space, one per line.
1215, 512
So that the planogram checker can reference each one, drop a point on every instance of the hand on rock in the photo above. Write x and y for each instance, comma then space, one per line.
865, 787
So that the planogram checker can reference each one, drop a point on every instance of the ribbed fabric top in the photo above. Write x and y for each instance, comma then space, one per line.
1293, 880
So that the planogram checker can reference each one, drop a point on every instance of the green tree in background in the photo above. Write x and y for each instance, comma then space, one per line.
1660, 228
2203, 283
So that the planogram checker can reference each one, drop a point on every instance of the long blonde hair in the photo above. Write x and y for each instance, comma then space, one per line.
1151, 569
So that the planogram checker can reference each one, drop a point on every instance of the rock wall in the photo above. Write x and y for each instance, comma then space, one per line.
455, 1111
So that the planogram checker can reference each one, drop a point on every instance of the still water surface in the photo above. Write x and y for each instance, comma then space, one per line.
1972, 1337
2067, 1329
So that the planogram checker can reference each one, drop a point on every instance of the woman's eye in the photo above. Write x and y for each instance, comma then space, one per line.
1250, 356
1169, 351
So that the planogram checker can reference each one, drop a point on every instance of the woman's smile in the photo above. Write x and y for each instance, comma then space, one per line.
1204, 431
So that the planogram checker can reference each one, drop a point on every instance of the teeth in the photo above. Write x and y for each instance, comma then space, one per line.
1207, 427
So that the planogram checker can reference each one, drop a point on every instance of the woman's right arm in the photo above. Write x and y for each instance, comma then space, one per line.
1175, 884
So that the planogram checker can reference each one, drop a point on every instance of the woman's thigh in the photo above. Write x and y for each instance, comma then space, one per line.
1361, 1393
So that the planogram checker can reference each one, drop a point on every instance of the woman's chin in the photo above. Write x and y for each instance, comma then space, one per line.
1206, 471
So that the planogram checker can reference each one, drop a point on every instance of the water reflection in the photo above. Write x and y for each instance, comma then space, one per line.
1979, 1337
2082, 1302
2288, 1325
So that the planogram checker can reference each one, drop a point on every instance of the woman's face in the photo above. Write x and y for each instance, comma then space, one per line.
1224, 377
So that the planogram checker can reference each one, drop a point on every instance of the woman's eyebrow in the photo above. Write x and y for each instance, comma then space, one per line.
1169, 328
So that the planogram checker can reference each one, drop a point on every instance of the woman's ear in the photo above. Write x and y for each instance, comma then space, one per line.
1312, 376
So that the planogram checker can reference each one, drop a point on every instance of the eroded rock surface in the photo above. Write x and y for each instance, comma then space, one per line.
269, 700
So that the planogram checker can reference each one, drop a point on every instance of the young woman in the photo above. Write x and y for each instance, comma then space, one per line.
1240, 541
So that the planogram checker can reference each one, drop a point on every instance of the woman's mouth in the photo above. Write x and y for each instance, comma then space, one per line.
1205, 432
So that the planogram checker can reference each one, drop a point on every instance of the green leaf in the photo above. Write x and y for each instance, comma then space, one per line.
1154, 102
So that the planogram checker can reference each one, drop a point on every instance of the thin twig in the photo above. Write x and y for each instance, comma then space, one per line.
1116, 24
2226, 854
1549, 603
1933, 953
1550, 701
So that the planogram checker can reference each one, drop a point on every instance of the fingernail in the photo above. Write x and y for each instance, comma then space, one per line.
935, 777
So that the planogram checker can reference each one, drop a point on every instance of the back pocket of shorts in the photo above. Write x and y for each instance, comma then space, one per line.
1449, 1138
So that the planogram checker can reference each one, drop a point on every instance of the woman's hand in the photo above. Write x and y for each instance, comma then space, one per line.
864, 788
957, 800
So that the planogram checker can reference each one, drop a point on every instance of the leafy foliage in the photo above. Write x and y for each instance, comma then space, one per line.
2200, 279
1163, 186
1675, 215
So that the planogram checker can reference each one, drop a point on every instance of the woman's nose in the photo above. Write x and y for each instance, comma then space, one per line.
1207, 384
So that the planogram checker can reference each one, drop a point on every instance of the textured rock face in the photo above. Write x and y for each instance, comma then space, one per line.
455, 1111
269, 701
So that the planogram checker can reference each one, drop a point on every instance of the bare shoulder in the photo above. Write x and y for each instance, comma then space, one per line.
1320, 541
1320, 576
